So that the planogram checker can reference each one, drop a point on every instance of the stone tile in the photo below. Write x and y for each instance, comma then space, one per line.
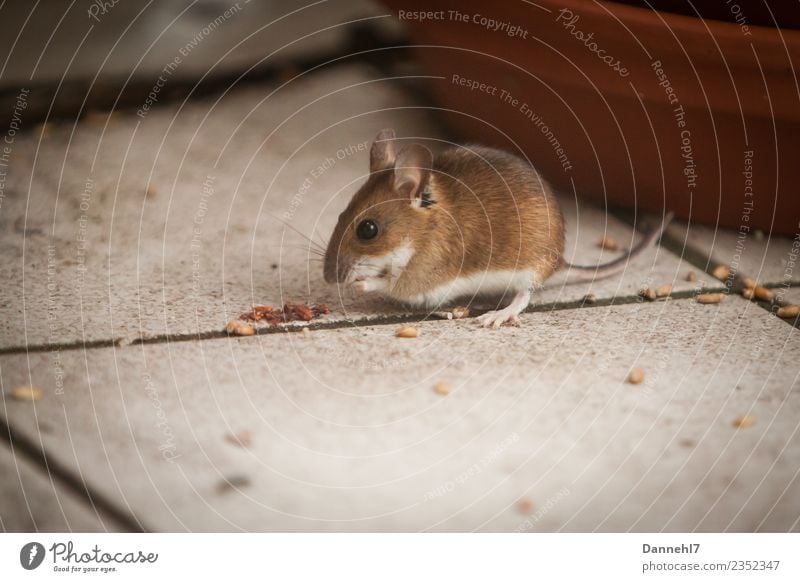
31, 501
656, 266
768, 259
345, 431
175, 223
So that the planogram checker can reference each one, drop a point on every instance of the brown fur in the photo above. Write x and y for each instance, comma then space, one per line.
489, 211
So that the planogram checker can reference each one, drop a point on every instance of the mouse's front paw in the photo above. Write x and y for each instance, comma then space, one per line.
369, 285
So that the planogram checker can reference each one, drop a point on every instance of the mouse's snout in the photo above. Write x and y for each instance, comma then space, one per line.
337, 267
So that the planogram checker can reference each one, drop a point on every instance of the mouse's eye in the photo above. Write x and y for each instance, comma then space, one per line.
367, 229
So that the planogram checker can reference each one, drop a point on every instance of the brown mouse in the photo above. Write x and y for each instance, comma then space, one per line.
470, 221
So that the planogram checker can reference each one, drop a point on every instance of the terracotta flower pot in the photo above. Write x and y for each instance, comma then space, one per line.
625, 105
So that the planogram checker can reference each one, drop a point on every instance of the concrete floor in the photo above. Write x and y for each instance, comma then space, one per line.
115, 295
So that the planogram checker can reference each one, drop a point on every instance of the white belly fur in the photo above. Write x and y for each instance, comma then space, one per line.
484, 283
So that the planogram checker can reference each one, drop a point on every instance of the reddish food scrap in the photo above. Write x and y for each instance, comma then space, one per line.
290, 312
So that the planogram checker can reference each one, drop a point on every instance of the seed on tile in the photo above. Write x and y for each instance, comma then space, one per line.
789, 311
525, 505
236, 327
707, 298
647, 293
306, 333
590, 298
151, 192
636, 376
608, 244
763, 294
407, 331
691, 276
749, 283
442, 388
747, 293
664, 291
722, 272
744, 421
26, 393
460, 312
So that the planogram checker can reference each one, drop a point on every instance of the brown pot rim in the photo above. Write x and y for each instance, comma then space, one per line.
645, 18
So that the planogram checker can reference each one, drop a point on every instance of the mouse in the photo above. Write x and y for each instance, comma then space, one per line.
425, 230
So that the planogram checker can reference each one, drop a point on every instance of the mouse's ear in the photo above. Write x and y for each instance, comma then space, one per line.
411, 170
382, 154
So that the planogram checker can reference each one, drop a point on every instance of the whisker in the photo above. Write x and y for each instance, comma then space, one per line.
303, 247
305, 236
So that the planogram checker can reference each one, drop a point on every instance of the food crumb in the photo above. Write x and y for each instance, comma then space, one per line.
26, 393
789, 311
236, 327
150, 192
647, 293
748, 293
407, 332
290, 312
721, 272
636, 376
608, 244
708, 298
442, 388
590, 298
744, 421
763, 294
664, 291
460, 312
691, 276
525, 505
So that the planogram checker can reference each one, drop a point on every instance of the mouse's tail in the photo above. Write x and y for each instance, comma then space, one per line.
586, 273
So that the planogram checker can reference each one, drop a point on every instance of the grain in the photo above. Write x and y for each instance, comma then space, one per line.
744, 421
525, 506
691, 276
749, 283
26, 393
747, 293
236, 327
460, 312
407, 332
664, 290
636, 376
722, 272
608, 244
590, 298
763, 294
789, 311
647, 293
442, 388
708, 298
